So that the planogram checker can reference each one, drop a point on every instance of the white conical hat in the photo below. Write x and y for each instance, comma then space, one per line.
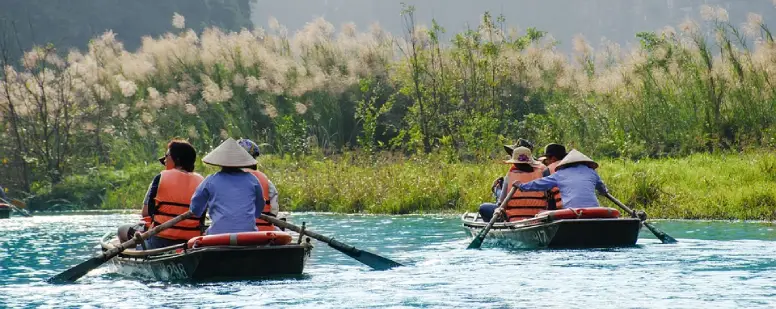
229, 154
574, 156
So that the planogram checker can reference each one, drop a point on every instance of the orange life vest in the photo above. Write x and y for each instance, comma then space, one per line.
525, 205
264, 182
555, 191
172, 199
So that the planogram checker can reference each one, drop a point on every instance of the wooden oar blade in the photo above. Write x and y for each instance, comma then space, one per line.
476, 243
78, 271
664, 238
372, 260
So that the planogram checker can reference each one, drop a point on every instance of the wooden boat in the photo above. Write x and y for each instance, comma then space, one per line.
548, 230
5, 211
221, 262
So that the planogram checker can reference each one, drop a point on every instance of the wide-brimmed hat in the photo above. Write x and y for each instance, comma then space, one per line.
522, 155
229, 154
574, 156
520, 143
555, 150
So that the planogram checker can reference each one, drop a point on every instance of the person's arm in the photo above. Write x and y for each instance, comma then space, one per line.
273, 199
259, 201
149, 204
599, 185
504, 189
200, 198
541, 184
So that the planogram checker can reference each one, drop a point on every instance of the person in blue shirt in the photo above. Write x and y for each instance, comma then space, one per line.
232, 196
576, 178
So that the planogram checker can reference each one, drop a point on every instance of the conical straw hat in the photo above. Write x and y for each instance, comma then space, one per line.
574, 156
522, 155
229, 154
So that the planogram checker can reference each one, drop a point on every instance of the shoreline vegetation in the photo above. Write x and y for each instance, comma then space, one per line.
700, 186
368, 121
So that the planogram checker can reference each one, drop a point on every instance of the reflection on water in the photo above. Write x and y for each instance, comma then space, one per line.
715, 264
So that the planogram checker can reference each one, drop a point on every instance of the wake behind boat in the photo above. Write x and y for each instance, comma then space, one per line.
217, 257
598, 227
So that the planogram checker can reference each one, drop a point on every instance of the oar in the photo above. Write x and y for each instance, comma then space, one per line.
664, 238
17, 209
72, 274
370, 259
477, 241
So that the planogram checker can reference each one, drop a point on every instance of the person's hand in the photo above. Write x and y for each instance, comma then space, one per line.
497, 183
516, 185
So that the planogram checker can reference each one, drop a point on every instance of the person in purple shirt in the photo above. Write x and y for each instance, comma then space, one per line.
576, 178
232, 196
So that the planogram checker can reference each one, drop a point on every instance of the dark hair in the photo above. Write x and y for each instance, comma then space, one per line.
183, 154
524, 167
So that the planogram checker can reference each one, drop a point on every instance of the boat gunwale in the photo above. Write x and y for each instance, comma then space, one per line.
534, 222
159, 254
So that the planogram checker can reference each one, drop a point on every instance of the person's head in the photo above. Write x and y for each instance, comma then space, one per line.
554, 153
520, 143
522, 159
576, 158
230, 156
179, 154
252, 149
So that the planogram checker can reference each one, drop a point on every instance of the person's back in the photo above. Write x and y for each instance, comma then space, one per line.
577, 186
524, 205
233, 197
232, 202
577, 180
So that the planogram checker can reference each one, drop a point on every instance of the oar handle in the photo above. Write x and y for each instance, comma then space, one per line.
328, 240
618, 203
134, 240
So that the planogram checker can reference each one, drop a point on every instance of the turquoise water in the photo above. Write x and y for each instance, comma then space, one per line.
715, 264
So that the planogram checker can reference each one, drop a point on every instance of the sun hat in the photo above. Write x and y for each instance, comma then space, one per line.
249, 146
522, 155
229, 154
520, 143
574, 156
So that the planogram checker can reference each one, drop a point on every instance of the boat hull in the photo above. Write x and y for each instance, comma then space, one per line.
215, 263
5, 211
565, 233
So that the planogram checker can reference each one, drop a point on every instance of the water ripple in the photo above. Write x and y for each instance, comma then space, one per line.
715, 264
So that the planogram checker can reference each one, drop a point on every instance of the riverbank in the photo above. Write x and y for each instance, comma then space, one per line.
700, 186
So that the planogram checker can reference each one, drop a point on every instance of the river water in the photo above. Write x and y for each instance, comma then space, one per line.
715, 264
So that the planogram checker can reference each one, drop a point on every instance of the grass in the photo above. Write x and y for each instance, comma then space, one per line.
700, 186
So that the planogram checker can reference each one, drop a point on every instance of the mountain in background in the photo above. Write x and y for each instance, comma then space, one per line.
72, 23
615, 20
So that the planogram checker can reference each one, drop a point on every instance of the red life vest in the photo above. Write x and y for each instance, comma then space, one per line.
172, 199
525, 205
264, 182
555, 191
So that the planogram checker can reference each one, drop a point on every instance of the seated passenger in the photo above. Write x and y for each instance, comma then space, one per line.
232, 196
498, 184
169, 196
576, 178
268, 189
522, 205
553, 154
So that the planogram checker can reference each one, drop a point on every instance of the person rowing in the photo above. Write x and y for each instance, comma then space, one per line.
232, 196
268, 189
169, 196
522, 205
576, 178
